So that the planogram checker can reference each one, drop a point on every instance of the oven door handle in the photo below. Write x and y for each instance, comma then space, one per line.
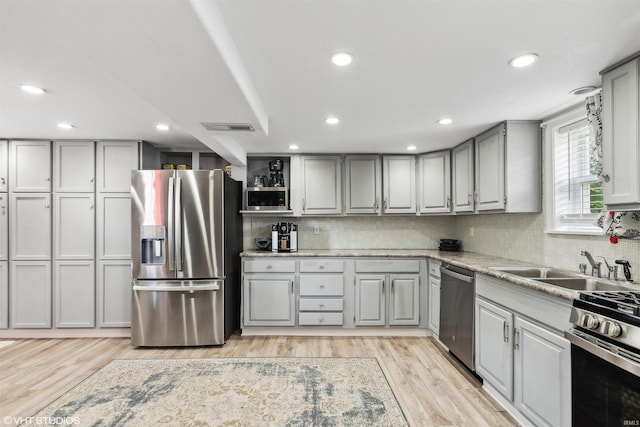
611, 357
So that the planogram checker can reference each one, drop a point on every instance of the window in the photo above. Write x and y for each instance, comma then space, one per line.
574, 193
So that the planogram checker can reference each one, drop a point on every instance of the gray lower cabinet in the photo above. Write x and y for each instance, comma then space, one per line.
30, 293
321, 292
387, 292
268, 292
74, 294
434, 297
4, 294
114, 293
269, 300
370, 300
520, 352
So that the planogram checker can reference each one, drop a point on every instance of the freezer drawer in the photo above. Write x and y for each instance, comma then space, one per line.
177, 313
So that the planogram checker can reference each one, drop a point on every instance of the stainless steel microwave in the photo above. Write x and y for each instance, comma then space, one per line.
267, 198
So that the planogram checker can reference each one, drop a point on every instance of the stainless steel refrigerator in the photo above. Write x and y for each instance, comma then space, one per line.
186, 241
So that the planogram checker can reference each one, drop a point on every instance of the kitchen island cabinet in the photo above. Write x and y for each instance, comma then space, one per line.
520, 351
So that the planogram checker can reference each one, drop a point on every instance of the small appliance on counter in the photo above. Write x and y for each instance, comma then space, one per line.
284, 237
276, 173
449, 245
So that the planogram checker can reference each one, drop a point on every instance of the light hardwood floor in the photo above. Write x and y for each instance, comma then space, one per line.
431, 387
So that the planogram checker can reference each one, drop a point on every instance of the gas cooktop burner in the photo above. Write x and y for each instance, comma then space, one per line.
626, 302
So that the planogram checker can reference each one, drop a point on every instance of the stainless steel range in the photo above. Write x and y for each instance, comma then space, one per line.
605, 358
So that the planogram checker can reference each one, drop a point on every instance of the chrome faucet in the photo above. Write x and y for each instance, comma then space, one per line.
595, 266
612, 270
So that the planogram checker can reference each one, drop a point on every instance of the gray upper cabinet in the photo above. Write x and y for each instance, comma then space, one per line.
322, 185
74, 166
4, 166
434, 182
30, 225
114, 162
399, 184
4, 227
363, 181
463, 177
30, 166
508, 168
620, 137
489, 169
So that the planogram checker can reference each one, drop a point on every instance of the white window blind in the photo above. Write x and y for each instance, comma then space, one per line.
577, 191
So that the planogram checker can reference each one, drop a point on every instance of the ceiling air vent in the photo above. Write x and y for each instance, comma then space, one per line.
228, 127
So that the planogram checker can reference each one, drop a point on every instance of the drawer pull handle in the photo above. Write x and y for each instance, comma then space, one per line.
321, 286
269, 267
321, 267
321, 305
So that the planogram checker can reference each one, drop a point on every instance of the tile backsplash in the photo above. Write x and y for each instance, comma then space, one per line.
515, 236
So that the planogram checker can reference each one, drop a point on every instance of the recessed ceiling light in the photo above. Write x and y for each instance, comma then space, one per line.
445, 121
411, 148
293, 147
523, 60
583, 90
332, 120
162, 127
342, 58
62, 125
32, 89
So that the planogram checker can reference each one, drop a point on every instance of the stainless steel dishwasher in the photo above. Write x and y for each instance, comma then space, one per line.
457, 289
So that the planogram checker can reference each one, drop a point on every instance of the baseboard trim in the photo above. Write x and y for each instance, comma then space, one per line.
66, 333
336, 332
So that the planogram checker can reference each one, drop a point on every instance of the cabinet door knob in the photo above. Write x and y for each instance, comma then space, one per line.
606, 177
321, 286
90, 179
47, 179
46, 206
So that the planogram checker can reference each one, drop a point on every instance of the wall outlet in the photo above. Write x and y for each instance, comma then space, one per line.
316, 229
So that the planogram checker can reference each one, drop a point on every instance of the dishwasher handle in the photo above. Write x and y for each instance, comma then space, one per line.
463, 277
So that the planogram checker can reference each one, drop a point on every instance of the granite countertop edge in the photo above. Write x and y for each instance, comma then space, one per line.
476, 262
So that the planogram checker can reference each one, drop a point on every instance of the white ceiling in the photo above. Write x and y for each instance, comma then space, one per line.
116, 68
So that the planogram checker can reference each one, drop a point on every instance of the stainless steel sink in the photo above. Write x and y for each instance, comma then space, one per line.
536, 272
587, 284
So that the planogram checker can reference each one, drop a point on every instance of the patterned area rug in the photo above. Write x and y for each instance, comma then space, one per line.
232, 392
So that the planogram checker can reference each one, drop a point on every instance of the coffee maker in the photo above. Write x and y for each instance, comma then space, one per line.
284, 237
276, 175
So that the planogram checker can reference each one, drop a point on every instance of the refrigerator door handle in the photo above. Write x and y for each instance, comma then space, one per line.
178, 223
171, 228
214, 287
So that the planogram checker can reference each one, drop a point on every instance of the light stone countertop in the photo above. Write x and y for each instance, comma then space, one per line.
473, 261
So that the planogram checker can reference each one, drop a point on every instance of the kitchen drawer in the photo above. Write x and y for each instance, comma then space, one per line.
319, 319
434, 268
321, 304
322, 266
388, 266
269, 266
321, 285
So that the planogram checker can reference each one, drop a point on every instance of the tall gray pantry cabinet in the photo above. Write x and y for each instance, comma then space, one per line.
4, 233
68, 234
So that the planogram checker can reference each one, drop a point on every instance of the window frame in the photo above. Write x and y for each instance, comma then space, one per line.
550, 126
